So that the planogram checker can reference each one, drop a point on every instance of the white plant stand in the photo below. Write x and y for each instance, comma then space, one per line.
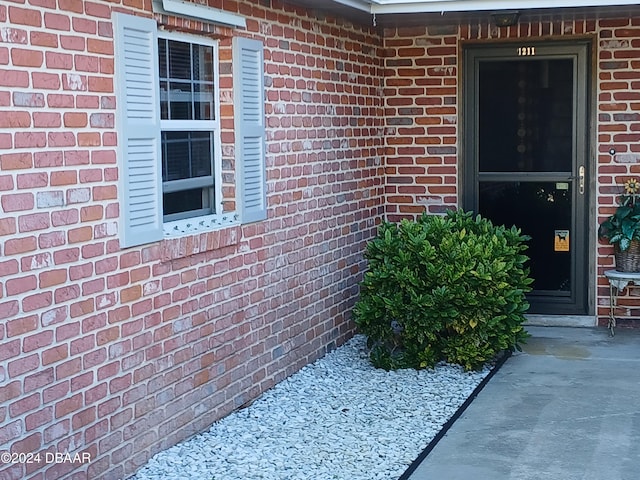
618, 281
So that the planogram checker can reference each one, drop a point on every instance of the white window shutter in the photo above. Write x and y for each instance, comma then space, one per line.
248, 87
137, 94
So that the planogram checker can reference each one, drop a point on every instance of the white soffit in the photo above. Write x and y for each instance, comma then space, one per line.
200, 12
442, 6
364, 5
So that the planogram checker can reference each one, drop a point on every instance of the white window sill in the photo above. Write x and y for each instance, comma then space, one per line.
208, 223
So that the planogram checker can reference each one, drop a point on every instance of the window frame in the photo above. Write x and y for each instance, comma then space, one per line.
177, 221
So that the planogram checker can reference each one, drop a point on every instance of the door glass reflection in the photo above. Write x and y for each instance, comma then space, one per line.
541, 210
526, 116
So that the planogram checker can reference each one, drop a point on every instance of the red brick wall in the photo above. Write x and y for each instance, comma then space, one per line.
422, 107
122, 353
618, 128
421, 120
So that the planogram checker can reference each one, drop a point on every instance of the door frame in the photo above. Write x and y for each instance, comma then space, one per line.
581, 300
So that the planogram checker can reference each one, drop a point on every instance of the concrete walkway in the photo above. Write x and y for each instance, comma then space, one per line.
567, 408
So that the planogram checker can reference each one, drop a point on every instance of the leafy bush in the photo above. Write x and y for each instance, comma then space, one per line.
443, 288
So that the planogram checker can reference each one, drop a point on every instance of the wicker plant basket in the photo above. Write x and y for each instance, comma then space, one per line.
628, 260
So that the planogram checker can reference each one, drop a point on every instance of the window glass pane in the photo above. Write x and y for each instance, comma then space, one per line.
164, 100
203, 101
186, 155
202, 63
180, 101
175, 156
179, 60
201, 154
184, 201
162, 57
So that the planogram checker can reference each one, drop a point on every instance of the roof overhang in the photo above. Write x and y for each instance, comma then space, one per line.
398, 13
442, 6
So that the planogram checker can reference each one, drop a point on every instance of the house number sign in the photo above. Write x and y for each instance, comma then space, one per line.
526, 51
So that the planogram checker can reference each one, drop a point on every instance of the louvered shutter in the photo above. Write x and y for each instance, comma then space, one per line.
248, 86
137, 90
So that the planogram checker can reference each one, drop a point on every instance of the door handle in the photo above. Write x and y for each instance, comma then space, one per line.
581, 180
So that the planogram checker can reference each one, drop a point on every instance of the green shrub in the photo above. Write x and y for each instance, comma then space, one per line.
446, 288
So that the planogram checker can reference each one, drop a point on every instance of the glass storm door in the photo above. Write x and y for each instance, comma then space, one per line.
526, 147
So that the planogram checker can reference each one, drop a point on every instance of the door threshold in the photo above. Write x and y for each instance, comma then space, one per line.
561, 320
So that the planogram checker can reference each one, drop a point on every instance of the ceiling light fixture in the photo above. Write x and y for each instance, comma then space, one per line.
506, 18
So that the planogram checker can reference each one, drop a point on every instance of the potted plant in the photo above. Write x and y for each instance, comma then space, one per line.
622, 229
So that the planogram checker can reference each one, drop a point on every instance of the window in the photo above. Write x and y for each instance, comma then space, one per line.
168, 125
190, 126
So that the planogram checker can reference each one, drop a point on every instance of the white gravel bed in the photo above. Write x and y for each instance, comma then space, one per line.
339, 418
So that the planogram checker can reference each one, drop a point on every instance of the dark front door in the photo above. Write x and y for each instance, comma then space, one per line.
526, 147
